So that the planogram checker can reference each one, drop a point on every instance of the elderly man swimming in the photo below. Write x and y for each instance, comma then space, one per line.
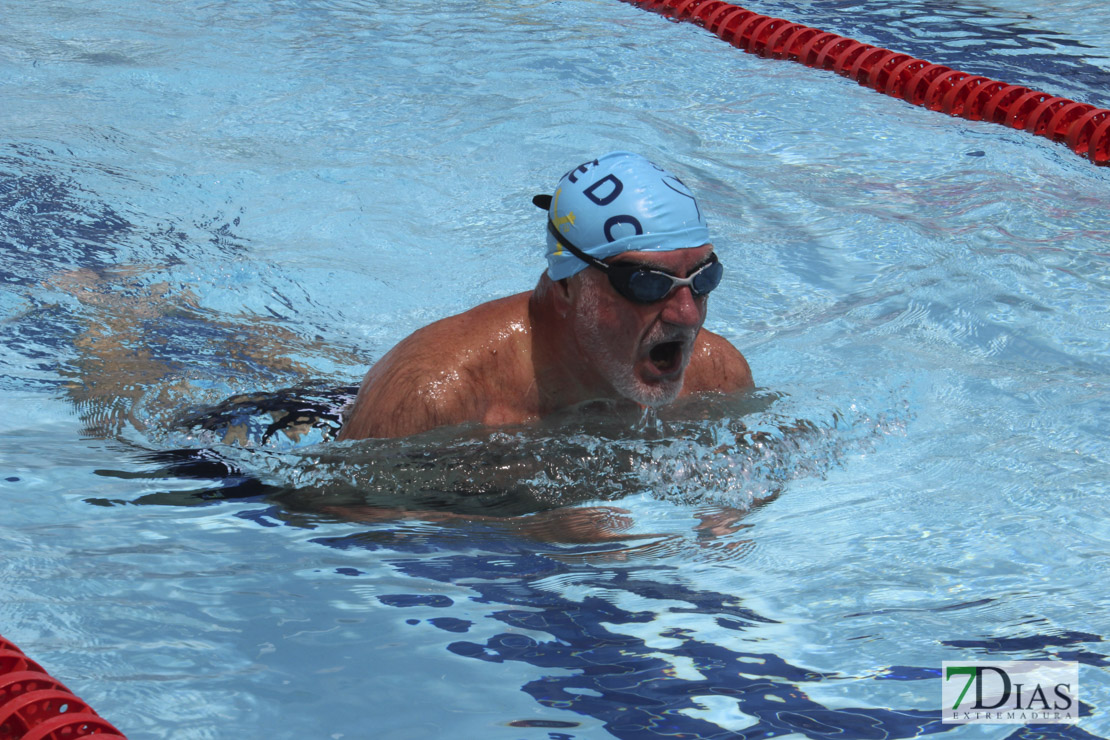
617, 315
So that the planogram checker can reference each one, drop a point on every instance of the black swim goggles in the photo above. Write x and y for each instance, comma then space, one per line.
641, 284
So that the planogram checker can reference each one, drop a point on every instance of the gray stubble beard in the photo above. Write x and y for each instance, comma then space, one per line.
619, 374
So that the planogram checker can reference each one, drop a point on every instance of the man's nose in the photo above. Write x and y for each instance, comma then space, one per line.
682, 308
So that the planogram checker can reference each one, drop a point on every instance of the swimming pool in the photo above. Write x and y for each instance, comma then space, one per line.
201, 199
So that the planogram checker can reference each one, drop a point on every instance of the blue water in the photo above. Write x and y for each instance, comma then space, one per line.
209, 201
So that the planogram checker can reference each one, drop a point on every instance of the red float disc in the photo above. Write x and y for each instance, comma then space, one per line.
729, 34
20, 682
1079, 135
940, 87
15, 660
718, 15
878, 71
831, 52
794, 42
703, 10
901, 74
1099, 149
35, 707
917, 89
742, 37
1038, 120
847, 56
1021, 108
1062, 119
956, 97
680, 8
761, 32
998, 108
979, 97
70, 726
813, 49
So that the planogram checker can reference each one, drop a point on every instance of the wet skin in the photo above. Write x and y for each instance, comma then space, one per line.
519, 358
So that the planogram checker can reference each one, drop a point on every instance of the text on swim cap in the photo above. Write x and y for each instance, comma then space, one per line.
572, 176
622, 219
618, 186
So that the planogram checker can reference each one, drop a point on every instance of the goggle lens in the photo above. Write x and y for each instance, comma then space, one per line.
708, 278
648, 286
644, 285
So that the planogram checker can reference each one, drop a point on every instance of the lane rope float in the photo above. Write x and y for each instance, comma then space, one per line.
36, 706
1084, 128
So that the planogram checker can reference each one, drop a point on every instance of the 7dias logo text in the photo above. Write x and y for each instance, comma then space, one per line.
1010, 692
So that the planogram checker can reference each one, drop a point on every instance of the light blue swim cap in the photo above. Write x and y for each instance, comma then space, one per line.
618, 203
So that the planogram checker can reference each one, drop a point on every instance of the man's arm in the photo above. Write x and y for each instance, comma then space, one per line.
446, 373
414, 388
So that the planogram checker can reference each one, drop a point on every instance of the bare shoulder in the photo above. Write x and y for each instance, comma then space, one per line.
442, 374
716, 366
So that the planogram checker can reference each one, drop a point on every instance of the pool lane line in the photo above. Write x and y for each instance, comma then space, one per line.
36, 706
1084, 128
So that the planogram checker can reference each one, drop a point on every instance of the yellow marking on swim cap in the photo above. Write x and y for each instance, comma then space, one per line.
560, 221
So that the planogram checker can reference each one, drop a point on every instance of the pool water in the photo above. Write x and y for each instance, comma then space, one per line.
214, 216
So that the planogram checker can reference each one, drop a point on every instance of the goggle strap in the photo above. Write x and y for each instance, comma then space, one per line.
563, 241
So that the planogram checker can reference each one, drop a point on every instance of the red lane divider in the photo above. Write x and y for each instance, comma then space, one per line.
1084, 128
34, 706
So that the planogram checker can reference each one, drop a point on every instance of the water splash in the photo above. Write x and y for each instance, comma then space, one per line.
735, 452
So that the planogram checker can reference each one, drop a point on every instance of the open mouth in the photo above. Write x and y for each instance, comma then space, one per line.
666, 357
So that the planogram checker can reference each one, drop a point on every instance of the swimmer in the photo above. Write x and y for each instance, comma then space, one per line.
617, 315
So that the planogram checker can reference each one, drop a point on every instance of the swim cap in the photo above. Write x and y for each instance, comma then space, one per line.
618, 203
